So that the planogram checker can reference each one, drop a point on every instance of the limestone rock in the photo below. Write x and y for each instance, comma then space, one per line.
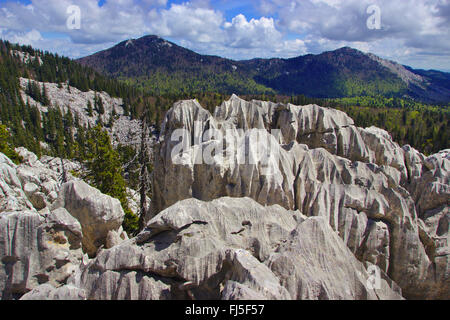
247, 272
369, 189
36, 250
97, 213
48, 292
316, 265
12, 196
225, 249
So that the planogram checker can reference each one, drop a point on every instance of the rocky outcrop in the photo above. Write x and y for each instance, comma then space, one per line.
303, 264
70, 98
298, 204
368, 188
97, 213
40, 241
124, 130
48, 292
229, 248
36, 249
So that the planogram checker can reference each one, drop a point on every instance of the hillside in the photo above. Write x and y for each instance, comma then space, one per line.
164, 67
26, 72
161, 66
337, 197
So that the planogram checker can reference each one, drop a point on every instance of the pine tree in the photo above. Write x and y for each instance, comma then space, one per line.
44, 97
89, 109
98, 105
105, 172
5, 145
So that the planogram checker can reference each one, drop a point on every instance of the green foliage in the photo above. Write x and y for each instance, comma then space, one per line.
162, 68
5, 145
104, 171
89, 109
98, 105
425, 127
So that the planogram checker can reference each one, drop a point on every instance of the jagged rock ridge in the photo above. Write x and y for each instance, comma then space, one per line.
369, 189
338, 201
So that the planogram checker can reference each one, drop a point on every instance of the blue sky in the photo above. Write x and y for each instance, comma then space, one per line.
412, 32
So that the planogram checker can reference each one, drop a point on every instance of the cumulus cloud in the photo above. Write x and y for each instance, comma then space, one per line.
194, 23
28, 38
411, 30
251, 34
188, 21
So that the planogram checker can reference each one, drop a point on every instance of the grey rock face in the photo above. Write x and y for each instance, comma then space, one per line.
42, 249
48, 292
304, 265
338, 203
368, 188
229, 248
97, 213
36, 250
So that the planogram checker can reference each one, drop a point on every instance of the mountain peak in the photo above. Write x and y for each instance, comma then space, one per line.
167, 67
348, 50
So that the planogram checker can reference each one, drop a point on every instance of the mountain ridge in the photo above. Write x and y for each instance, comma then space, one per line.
161, 66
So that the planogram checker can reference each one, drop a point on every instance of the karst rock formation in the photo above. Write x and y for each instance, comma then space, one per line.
330, 204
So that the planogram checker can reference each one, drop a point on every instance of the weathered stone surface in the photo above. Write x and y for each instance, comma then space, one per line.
48, 292
369, 189
97, 213
36, 250
115, 237
229, 248
42, 247
12, 196
313, 223
41, 178
316, 264
247, 272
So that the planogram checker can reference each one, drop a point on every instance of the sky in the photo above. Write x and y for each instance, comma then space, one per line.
411, 32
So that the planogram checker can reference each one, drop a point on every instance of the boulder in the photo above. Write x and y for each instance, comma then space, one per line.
316, 265
229, 248
48, 292
97, 213
35, 250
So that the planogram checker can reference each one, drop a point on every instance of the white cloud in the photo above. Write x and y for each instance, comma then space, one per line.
29, 38
188, 22
251, 34
412, 30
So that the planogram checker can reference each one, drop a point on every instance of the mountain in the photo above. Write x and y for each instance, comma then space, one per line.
164, 67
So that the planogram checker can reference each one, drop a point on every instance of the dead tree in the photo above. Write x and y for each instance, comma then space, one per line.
144, 176
63, 178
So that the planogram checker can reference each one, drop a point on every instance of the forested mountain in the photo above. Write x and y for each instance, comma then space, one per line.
160, 66
164, 67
